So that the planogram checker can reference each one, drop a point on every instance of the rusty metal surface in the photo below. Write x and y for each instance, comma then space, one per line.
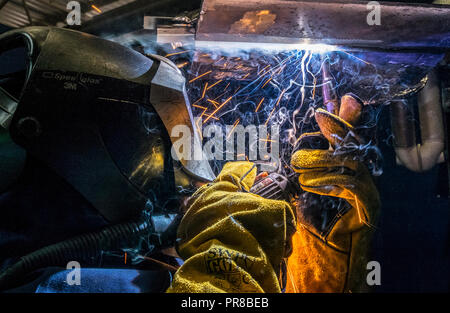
13, 13
326, 22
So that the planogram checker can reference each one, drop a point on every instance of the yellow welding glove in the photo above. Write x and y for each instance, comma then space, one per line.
334, 219
232, 240
329, 252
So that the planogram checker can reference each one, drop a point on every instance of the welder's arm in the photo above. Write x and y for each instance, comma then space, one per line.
330, 245
232, 240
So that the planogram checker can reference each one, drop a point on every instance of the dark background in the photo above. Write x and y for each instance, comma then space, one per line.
412, 241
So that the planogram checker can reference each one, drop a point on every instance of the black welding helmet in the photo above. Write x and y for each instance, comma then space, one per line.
100, 115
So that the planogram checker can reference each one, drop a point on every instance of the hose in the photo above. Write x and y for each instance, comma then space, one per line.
80, 247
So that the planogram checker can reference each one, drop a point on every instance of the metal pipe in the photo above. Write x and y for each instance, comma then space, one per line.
285, 22
420, 157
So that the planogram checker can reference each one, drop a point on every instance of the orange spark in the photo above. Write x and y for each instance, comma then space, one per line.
357, 209
211, 116
197, 101
199, 76
176, 53
226, 101
204, 90
266, 82
368, 63
200, 107
268, 118
220, 96
181, 65
265, 141
163, 264
198, 126
278, 102
263, 69
96, 9
291, 278
279, 98
314, 89
218, 60
234, 126
259, 104
281, 69
243, 154
215, 103
217, 82
218, 108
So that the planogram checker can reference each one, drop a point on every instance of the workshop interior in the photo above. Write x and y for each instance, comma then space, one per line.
91, 91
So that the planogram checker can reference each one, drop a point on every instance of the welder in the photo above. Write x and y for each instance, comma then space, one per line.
100, 186
235, 241
97, 141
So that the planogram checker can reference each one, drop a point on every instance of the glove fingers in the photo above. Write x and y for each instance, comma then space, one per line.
357, 189
350, 109
241, 174
314, 140
306, 160
214, 202
334, 128
340, 186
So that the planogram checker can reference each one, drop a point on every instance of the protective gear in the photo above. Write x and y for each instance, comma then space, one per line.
330, 244
100, 115
332, 259
232, 240
95, 118
224, 227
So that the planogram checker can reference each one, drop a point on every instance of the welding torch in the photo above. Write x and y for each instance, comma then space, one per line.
330, 99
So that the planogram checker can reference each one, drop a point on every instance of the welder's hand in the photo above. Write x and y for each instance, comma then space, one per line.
332, 235
232, 240
324, 173
339, 129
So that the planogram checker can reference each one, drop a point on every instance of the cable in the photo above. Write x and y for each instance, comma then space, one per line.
80, 247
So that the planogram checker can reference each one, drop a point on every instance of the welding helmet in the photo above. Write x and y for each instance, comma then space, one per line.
99, 115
